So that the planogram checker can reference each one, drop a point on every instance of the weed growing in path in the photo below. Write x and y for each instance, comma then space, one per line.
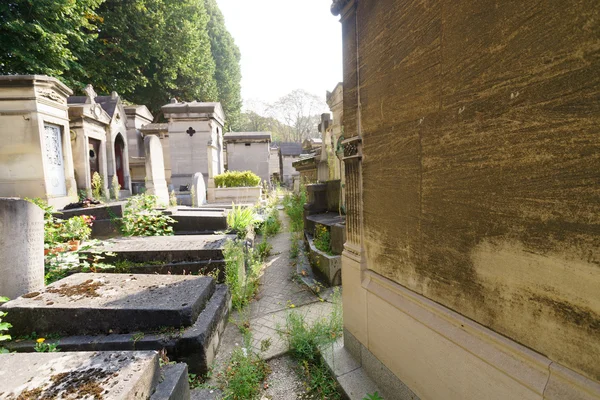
304, 341
243, 377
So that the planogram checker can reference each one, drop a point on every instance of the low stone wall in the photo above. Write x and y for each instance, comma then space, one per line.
236, 195
108, 217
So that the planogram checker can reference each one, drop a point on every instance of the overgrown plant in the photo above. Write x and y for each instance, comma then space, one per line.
4, 326
237, 179
247, 370
241, 219
293, 204
42, 347
272, 225
264, 248
322, 238
97, 186
242, 283
78, 227
172, 199
115, 188
141, 218
304, 342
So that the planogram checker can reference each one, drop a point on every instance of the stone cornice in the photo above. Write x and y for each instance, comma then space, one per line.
339, 5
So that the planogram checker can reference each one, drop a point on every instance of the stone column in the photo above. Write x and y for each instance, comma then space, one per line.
21, 247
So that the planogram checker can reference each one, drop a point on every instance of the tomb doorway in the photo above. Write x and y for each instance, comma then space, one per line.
119, 150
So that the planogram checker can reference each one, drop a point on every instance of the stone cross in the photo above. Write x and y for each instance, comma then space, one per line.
90, 93
21, 247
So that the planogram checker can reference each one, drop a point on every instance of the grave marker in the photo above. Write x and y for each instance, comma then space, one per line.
155, 169
200, 189
21, 247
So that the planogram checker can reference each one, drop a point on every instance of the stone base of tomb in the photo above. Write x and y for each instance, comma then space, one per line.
234, 195
198, 221
120, 375
184, 315
327, 266
107, 217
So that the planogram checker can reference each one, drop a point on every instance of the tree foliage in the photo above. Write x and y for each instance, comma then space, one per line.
146, 50
45, 36
292, 118
300, 112
227, 61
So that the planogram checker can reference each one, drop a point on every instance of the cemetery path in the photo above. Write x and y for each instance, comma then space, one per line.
278, 293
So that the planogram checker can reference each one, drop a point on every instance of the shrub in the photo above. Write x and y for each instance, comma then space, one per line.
76, 228
141, 218
237, 179
241, 219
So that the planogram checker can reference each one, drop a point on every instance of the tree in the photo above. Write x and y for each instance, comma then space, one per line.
152, 50
300, 112
227, 61
45, 36
250, 121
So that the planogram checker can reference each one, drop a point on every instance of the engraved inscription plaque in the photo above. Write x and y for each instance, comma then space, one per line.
21, 247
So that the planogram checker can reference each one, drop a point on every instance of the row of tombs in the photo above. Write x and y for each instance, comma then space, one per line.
53, 144
135, 332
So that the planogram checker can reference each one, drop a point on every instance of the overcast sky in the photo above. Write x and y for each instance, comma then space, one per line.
285, 45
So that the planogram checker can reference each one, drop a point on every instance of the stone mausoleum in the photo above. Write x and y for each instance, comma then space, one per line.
471, 129
35, 140
195, 132
249, 151
115, 154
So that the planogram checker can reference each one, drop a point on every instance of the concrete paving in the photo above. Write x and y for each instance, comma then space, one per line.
280, 292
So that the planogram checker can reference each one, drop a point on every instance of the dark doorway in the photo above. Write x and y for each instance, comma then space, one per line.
94, 156
119, 147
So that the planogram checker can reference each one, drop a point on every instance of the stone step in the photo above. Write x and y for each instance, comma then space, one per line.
195, 345
173, 383
110, 375
104, 303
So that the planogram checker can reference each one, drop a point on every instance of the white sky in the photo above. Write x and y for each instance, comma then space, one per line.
285, 45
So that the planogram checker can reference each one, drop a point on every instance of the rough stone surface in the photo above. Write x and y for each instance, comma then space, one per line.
338, 238
192, 221
155, 169
194, 345
479, 124
21, 247
114, 375
173, 383
166, 248
200, 188
101, 303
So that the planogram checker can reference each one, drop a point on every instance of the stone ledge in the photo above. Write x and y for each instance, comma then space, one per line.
173, 383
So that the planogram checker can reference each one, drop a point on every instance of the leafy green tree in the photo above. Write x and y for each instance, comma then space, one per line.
46, 36
227, 60
152, 50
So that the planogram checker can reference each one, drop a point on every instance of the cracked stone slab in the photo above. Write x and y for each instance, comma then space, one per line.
114, 375
110, 303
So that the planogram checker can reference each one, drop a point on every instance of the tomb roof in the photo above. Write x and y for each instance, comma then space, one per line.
252, 136
290, 149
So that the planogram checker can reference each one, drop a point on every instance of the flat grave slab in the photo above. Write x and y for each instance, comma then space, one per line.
105, 303
119, 375
199, 221
195, 345
166, 249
